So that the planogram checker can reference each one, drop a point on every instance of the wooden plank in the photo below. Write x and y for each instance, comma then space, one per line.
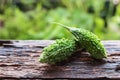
20, 60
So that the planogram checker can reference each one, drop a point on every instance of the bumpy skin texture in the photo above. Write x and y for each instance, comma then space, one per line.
58, 51
90, 42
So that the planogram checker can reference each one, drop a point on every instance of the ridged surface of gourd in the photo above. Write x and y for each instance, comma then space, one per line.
58, 51
89, 41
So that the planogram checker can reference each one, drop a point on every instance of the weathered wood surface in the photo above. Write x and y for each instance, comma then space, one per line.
19, 59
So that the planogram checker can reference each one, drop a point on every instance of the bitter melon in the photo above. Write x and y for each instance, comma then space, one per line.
58, 51
88, 41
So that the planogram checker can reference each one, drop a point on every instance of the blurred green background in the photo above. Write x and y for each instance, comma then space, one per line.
30, 19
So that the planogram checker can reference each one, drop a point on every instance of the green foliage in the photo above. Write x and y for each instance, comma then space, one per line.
31, 19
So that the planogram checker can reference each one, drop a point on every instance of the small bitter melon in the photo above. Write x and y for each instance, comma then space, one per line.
88, 41
58, 51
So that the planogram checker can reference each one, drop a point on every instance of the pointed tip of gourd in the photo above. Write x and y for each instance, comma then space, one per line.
41, 58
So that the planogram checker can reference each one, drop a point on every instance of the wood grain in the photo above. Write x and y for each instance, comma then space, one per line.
19, 60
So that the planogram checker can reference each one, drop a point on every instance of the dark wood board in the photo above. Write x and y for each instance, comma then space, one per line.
19, 60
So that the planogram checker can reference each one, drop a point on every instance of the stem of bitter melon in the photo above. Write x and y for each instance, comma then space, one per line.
71, 29
67, 27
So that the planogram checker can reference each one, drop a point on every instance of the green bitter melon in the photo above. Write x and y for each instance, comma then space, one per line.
88, 41
58, 51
